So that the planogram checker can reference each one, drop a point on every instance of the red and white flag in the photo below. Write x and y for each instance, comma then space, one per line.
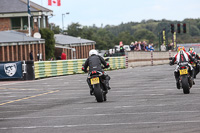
54, 2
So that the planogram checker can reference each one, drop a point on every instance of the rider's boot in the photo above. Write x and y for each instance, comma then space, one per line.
177, 80
192, 76
107, 82
90, 86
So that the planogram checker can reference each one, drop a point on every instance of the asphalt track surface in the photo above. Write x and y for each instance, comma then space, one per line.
142, 100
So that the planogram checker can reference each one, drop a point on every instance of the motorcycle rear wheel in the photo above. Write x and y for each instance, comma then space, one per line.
185, 85
98, 93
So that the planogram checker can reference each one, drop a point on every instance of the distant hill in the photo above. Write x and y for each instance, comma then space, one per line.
149, 30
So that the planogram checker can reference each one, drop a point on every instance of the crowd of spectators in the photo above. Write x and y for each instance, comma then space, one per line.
141, 46
136, 46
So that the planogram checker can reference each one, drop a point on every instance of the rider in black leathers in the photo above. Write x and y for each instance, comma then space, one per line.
94, 62
195, 56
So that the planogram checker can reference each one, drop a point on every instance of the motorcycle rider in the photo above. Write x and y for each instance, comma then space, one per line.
195, 56
182, 57
94, 62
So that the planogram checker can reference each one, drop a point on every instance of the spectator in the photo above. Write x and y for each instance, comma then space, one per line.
142, 46
163, 47
145, 44
63, 56
170, 46
139, 46
132, 46
31, 55
121, 49
135, 45
38, 55
151, 47
105, 54
58, 58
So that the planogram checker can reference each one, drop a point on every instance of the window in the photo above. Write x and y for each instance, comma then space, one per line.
21, 23
16, 23
25, 23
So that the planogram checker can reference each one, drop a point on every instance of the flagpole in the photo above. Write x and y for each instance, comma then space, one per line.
29, 17
29, 27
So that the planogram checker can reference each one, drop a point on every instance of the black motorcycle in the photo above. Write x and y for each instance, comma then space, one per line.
195, 65
185, 80
98, 85
97, 82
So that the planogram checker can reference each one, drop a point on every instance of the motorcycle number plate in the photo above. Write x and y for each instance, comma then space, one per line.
94, 80
183, 71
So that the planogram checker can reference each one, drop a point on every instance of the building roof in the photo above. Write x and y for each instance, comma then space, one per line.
15, 37
20, 6
70, 40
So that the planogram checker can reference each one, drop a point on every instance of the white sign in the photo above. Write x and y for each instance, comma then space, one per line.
10, 69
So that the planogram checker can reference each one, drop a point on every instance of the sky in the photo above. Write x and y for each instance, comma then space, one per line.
114, 12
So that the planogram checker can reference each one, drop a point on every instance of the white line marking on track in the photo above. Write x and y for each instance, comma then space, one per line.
102, 124
93, 115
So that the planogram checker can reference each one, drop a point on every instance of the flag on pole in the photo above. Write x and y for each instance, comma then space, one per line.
28, 4
54, 2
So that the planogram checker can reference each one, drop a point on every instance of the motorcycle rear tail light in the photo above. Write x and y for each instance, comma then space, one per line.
94, 72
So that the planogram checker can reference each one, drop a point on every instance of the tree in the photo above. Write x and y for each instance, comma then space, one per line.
125, 37
74, 30
48, 35
194, 31
104, 39
54, 28
144, 34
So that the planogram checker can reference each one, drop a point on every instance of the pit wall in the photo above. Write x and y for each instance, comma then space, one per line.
44, 69
136, 59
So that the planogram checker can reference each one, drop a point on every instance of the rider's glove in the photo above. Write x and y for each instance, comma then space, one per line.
83, 69
107, 65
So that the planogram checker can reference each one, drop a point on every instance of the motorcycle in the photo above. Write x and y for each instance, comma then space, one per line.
97, 83
185, 81
196, 68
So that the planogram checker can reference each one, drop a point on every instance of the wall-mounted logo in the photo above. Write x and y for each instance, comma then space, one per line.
10, 69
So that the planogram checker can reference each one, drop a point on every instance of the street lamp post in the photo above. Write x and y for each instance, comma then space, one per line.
63, 20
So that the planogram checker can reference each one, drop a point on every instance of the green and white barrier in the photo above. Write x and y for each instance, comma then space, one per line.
66, 67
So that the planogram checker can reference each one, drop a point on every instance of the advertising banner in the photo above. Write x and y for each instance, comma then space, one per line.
10, 70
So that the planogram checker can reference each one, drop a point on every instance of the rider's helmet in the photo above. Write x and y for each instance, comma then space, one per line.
191, 50
181, 48
93, 52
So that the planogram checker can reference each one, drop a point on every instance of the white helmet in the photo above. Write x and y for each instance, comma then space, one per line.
93, 52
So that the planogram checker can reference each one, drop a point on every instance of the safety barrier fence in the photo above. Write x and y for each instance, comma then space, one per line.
64, 67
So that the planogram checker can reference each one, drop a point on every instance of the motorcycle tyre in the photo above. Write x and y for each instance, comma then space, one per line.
98, 93
104, 96
185, 84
